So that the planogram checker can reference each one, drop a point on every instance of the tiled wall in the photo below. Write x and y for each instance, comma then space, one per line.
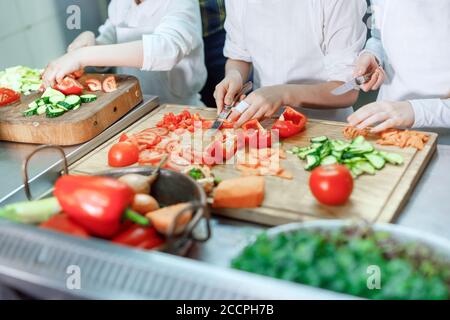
30, 33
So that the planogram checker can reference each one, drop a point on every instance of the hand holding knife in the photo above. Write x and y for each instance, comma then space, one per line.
227, 109
352, 84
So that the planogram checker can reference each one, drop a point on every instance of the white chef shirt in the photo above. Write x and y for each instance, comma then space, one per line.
171, 32
412, 39
297, 41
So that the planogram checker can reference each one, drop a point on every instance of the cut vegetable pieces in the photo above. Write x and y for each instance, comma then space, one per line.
244, 192
88, 98
359, 155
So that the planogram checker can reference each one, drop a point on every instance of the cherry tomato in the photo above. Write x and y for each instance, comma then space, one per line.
109, 84
123, 154
8, 96
331, 185
62, 223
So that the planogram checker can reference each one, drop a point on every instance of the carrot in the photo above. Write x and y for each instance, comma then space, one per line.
351, 132
405, 138
244, 192
164, 218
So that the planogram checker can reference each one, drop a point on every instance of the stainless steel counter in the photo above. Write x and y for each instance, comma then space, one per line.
428, 209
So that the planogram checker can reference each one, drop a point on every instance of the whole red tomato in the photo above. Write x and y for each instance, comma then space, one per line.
123, 154
331, 185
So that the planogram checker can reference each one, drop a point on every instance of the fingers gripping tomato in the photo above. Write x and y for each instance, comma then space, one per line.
331, 185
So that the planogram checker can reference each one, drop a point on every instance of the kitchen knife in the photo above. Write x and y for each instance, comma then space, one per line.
227, 109
352, 85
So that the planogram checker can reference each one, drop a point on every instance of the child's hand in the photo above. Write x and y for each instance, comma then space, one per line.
85, 39
263, 103
367, 63
227, 89
58, 69
384, 115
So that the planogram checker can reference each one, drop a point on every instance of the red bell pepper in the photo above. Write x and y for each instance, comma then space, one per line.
256, 136
290, 123
139, 237
95, 203
62, 223
69, 86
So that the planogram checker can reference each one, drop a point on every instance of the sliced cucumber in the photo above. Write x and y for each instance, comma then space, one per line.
376, 161
329, 160
312, 161
356, 171
40, 102
325, 151
30, 112
303, 154
55, 99
53, 112
88, 98
41, 110
72, 101
33, 105
392, 158
339, 146
361, 148
358, 141
366, 167
50, 92
321, 139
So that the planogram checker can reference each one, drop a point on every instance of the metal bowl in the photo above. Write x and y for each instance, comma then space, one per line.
169, 189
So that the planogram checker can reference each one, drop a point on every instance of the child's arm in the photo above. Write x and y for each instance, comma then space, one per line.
121, 55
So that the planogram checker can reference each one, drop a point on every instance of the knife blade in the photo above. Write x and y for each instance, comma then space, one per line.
351, 85
227, 109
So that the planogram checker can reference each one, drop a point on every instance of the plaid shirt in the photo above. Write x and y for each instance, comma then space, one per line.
213, 16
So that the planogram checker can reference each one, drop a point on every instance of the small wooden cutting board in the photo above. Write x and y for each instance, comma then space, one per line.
73, 127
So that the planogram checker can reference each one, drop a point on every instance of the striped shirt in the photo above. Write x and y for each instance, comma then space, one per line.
213, 16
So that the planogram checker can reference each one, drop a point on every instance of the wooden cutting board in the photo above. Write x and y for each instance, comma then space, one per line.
376, 198
74, 127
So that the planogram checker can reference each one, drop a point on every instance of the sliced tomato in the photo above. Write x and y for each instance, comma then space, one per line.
150, 157
159, 131
62, 223
180, 131
123, 154
69, 86
177, 163
109, 84
8, 96
93, 85
173, 147
77, 74
124, 137
149, 139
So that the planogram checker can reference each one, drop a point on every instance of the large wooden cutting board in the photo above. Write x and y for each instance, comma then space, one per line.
74, 127
376, 198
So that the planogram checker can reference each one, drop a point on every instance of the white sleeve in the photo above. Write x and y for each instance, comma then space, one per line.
431, 113
107, 34
344, 34
178, 34
235, 47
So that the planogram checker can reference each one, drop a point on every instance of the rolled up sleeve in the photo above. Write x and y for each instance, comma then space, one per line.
179, 33
431, 113
235, 47
344, 36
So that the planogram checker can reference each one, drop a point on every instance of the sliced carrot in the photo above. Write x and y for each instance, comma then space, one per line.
164, 218
244, 192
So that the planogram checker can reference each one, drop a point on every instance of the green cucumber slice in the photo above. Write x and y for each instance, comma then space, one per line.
321, 139
53, 112
73, 101
366, 167
41, 110
392, 158
88, 98
329, 160
55, 99
312, 161
376, 161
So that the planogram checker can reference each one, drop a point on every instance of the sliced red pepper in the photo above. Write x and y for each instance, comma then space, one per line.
62, 223
290, 123
8, 96
69, 86
95, 203
93, 85
139, 237
256, 136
